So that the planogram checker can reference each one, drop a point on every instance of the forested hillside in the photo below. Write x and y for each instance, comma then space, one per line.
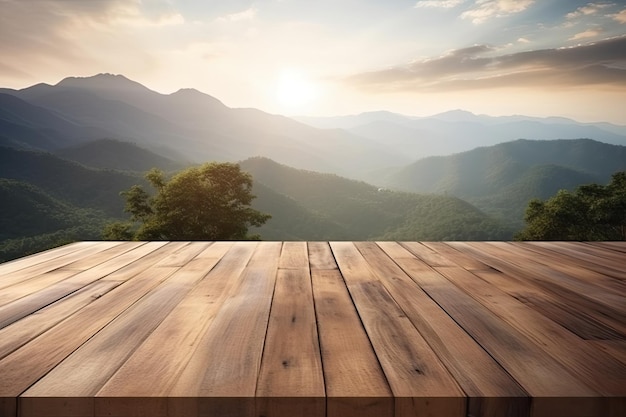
364, 212
31, 220
69, 181
48, 201
501, 179
53, 201
118, 155
61, 179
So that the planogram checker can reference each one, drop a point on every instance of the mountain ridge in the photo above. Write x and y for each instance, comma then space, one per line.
201, 127
489, 177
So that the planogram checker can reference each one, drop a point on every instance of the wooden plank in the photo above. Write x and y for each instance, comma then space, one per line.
492, 391
601, 372
37, 269
36, 283
355, 382
160, 359
592, 274
29, 363
419, 381
539, 375
557, 285
601, 253
614, 246
21, 332
552, 275
459, 258
320, 256
588, 253
428, 255
548, 305
220, 378
157, 258
81, 375
41, 257
294, 255
609, 306
615, 348
291, 367
601, 267
24, 306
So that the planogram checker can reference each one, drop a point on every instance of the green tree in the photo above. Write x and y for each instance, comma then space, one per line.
592, 212
211, 202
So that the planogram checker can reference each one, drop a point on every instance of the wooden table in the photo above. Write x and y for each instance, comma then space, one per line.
315, 329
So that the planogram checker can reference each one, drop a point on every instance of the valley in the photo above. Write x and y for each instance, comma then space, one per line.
68, 150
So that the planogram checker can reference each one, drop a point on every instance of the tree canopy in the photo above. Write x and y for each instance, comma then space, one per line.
592, 212
211, 202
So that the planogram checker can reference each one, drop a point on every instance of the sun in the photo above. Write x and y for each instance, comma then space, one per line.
295, 90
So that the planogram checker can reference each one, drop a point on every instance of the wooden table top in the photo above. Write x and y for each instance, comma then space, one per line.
341, 329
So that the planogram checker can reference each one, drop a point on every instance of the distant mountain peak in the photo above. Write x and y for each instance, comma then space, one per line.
456, 115
188, 91
193, 94
102, 81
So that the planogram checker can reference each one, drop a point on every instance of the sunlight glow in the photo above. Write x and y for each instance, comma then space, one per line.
294, 89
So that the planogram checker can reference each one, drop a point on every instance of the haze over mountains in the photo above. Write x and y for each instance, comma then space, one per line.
66, 151
186, 124
193, 126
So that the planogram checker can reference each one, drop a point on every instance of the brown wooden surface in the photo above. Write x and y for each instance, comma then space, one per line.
339, 329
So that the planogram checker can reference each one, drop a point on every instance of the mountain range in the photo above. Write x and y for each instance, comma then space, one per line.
185, 125
50, 199
67, 150
192, 127
457, 130
501, 179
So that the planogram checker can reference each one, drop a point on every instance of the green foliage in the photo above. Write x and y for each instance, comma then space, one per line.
445, 218
592, 212
26, 245
501, 180
292, 220
345, 209
68, 181
211, 202
118, 155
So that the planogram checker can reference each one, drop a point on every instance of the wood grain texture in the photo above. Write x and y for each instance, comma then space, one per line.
39, 258
551, 282
338, 329
227, 360
478, 374
160, 358
419, 381
599, 371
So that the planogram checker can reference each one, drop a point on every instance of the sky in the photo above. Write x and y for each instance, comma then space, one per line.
335, 57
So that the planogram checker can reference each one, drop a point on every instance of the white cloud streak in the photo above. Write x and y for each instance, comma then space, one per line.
247, 14
589, 9
488, 9
620, 17
590, 33
477, 67
439, 4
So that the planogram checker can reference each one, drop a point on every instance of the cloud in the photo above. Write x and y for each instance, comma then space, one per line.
247, 14
438, 4
589, 9
620, 17
488, 9
33, 26
52, 36
590, 33
480, 67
